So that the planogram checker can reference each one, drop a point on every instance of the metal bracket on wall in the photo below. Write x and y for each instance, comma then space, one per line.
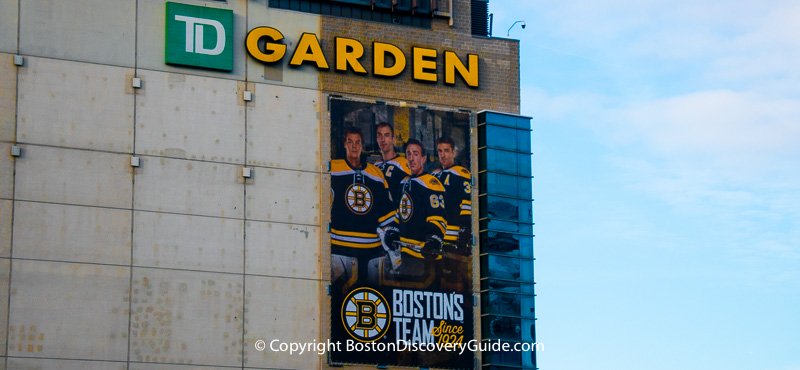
19, 60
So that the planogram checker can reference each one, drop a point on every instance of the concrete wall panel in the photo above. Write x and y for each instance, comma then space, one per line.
136, 366
72, 233
8, 90
9, 21
284, 196
189, 187
150, 38
190, 117
69, 310
186, 317
283, 128
278, 249
6, 207
74, 177
292, 25
44, 364
188, 242
100, 31
270, 304
6, 171
79, 105
5, 269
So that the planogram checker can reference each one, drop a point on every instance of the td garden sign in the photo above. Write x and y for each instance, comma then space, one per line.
202, 37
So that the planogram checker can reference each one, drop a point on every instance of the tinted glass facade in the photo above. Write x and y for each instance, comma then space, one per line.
405, 12
506, 236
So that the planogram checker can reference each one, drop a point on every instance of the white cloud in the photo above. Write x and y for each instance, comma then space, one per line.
701, 109
726, 125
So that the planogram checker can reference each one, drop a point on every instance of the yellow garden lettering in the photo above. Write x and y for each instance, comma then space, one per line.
387, 60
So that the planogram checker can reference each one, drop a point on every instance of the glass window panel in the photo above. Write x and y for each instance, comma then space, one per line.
524, 141
403, 5
423, 7
509, 268
510, 358
498, 242
522, 122
355, 2
383, 4
494, 367
501, 137
501, 119
512, 163
509, 226
506, 244
506, 138
506, 208
513, 329
507, 286
507, 304
505, 120
501, 184
362, 9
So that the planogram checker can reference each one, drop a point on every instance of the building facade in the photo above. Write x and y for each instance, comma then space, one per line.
167, 188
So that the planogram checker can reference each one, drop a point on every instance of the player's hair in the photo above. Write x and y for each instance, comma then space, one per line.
385, 124
446, 140
353, 130
414, 142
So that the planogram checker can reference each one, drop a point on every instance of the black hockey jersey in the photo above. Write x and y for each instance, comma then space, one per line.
457, 183
395, 170
421, 212
359, 206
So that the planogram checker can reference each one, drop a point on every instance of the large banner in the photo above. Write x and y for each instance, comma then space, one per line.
400, 234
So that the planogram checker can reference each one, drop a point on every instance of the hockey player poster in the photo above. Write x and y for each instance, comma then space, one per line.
400, 235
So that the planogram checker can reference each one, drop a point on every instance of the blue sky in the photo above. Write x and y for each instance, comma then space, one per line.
667, 180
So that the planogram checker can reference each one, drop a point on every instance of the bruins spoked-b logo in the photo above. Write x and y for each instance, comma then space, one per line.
366, 315
406, 207
359, 199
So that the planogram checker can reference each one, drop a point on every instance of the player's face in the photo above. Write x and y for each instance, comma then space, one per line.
352, 145
385, 139
446, 154
416, 160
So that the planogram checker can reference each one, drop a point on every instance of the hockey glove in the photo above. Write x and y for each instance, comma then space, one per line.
432, 248
390, 236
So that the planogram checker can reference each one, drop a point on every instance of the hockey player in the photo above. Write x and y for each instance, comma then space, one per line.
360, 206
394, 167
458, 194
456, 179
421, 222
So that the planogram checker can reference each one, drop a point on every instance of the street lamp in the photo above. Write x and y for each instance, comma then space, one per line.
508, 33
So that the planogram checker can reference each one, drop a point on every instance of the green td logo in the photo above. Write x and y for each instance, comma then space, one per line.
199, 36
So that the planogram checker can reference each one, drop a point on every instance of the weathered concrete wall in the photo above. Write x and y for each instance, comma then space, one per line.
76, 105
9, 21
180, 263
8, 97
109, 266
96, 31
68, 310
